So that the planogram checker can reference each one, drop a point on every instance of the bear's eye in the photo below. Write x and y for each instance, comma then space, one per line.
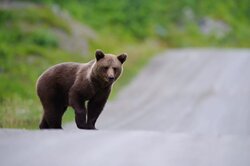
115, 69
105, 68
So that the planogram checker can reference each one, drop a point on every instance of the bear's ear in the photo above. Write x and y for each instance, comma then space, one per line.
122, 58
99, 55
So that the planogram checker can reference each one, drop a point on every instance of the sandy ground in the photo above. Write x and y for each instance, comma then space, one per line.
187, 107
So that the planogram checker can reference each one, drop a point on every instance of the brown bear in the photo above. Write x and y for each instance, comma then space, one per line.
83, 86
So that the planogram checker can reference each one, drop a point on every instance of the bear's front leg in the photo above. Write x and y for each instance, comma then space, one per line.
95, 107
80, 111
80, 119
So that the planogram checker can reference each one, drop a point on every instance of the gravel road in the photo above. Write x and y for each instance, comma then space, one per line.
187, 107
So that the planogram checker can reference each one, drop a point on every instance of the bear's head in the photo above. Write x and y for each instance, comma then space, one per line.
108, 67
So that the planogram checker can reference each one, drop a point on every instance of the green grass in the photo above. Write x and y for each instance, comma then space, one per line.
15, 112
163, 19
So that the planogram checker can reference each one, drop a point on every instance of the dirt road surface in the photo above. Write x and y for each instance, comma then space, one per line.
187, 107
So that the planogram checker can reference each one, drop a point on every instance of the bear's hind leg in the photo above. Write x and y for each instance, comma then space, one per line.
55, 118
53, 113
54, 105
43, 124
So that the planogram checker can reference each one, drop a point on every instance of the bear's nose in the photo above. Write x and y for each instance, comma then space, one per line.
111, 78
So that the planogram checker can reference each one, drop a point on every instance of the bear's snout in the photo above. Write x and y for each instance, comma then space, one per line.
111, 78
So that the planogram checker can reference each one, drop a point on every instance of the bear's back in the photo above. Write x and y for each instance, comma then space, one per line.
61, 76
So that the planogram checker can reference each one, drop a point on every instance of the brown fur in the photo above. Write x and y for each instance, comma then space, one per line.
75, 84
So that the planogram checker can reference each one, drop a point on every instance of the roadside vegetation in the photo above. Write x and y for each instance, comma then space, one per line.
33, 35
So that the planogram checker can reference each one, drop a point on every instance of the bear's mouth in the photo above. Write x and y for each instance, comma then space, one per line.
109, 80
